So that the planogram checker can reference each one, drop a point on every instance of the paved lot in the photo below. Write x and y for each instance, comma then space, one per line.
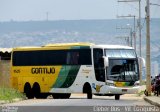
80, 100
77, 103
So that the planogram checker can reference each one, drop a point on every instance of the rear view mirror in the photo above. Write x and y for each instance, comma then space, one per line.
142, 61
106, 61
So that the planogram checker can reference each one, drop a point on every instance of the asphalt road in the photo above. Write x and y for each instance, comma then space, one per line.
78, 103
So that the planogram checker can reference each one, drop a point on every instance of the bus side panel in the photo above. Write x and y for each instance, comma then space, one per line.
76, 78
34, 74
14, 82
66, 78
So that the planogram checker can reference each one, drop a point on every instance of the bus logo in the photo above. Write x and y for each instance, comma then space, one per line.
43, 70
96, 87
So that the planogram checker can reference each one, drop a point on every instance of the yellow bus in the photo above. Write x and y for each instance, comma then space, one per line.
62, 69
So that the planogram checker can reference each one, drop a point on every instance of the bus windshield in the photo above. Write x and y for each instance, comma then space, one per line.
123, 65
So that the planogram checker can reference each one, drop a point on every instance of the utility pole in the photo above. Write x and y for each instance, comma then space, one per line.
140, 28
140, 43
148, 63
134, 32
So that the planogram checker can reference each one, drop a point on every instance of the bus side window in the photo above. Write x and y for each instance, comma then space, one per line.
99, 65
73, 58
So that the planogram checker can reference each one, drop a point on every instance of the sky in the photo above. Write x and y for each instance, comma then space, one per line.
26, 10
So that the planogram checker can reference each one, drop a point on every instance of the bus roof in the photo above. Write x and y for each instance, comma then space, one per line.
54, 46
25, 48
88, 44
112, 47
69, 44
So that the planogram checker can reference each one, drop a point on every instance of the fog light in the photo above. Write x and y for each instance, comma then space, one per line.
136, 83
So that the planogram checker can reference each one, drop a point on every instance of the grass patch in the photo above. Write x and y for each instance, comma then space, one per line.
140, 93
9, 94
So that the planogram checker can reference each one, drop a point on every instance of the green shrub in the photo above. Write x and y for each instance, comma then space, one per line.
10, 94
140, 93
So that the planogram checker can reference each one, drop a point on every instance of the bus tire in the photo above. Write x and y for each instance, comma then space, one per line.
37, 92
28, 91
87, 89
89, 95
117, 97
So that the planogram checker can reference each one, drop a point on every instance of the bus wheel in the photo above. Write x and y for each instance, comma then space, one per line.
89, 94
87, 89
37, 92
117, 97
28, 91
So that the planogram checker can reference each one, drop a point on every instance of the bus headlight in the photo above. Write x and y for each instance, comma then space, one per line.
110, 84
137, 83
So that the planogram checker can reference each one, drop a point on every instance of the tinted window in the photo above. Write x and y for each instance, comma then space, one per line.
49, 57
99, 65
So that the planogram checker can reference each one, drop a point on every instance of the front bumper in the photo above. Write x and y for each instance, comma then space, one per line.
122, 90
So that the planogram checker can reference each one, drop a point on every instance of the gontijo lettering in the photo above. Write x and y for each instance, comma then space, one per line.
43, 70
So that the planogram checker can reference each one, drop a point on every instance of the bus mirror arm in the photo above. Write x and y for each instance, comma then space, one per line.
106, 61
142, 61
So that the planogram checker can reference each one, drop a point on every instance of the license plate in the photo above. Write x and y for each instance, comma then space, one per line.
124, 90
